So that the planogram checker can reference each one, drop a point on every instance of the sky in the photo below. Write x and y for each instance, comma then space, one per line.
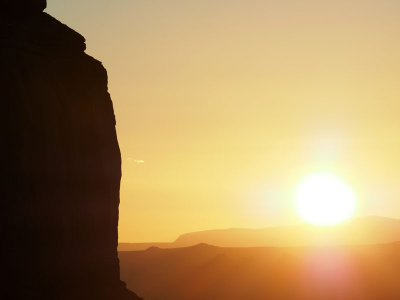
223, 106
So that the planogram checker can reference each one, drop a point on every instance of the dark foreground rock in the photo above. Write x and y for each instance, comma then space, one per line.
61, 164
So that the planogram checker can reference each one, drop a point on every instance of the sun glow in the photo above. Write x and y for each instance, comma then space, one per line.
324, 199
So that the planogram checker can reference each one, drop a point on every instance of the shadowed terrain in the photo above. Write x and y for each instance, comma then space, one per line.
208, 272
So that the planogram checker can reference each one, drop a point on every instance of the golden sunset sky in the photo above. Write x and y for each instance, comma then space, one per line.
223, 106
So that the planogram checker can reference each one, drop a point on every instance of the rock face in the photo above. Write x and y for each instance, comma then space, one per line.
61, 164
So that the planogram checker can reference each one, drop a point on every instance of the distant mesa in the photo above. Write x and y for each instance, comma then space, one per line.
361, 231
153, 249
142, 246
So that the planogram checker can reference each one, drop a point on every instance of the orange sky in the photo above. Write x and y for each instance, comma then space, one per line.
224, 105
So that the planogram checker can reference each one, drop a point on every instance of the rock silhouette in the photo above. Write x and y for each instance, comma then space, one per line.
61, 164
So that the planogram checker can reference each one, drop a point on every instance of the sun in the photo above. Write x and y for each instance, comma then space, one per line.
324, 199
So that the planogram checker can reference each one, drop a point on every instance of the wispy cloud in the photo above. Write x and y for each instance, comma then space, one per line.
136, 161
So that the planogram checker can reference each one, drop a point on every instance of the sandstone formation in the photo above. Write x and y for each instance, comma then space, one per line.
61, 164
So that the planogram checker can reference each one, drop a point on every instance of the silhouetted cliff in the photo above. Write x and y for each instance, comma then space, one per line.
61, 164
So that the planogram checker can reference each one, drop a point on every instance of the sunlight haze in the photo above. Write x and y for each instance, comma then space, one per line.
224, 106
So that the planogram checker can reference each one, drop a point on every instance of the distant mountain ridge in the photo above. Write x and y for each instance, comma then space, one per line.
359, 231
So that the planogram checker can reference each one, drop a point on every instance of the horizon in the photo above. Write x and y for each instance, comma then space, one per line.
224, 107
286, 226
